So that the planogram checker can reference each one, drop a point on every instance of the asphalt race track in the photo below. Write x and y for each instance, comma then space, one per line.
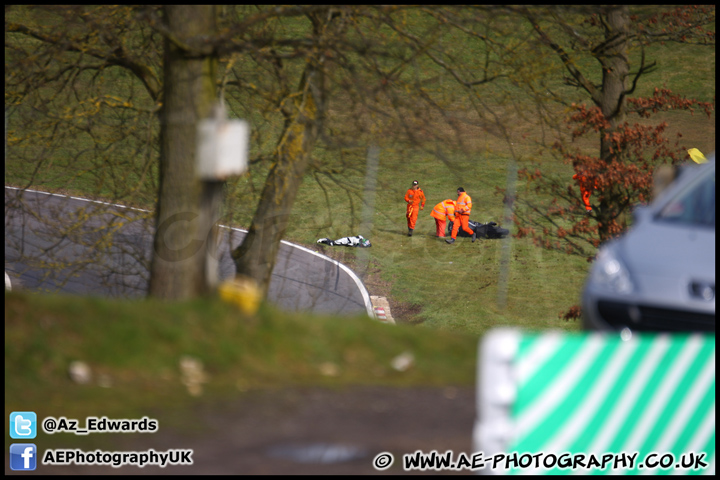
56, 243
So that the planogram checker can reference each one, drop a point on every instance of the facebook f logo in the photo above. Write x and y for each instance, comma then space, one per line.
23, 425
23, 456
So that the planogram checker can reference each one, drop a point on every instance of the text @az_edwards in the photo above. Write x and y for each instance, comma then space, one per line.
99, 425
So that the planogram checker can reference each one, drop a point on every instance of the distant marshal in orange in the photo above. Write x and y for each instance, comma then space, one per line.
415, 199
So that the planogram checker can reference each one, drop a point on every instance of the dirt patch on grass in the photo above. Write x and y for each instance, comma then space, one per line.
406, 313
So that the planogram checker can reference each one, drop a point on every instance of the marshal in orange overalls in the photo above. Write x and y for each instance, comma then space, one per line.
463, 205
443, 210
586, 188
415, 199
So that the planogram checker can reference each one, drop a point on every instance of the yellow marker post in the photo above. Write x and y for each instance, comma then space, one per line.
243, 292
697, 155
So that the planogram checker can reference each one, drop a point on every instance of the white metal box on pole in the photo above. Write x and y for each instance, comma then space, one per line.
222, 147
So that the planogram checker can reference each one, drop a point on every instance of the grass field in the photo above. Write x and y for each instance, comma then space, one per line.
449, 295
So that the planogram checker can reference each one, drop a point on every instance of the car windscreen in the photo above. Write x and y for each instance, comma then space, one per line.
694, 205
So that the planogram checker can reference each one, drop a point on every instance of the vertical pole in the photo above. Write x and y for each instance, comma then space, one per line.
6, 122
368, 210
509, 201
211, 200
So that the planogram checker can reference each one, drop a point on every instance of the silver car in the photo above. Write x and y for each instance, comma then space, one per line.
660, 275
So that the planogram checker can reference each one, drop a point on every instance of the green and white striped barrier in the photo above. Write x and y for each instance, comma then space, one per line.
614, 404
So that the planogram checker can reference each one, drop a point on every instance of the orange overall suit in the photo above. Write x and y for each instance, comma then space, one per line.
443, 210
586, 189
415, 199
463, 205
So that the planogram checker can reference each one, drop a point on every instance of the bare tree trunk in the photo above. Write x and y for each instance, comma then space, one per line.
614, 59
178, 264
615, 64
256, 256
